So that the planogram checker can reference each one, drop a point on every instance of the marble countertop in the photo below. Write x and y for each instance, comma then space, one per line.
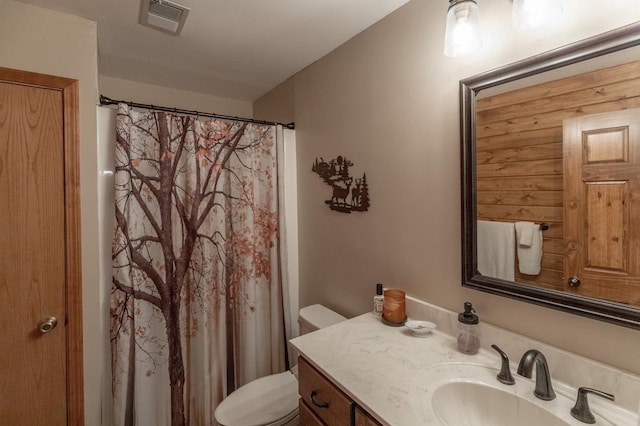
374, 363
379, 366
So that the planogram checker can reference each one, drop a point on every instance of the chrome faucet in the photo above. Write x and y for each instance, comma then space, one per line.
544, 389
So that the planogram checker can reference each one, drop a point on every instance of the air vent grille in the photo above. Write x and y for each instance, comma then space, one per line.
163, 15
166, 10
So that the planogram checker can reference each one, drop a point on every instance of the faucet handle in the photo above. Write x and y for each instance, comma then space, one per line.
581, 410
504, 376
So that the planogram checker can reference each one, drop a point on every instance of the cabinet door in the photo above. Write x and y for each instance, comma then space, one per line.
363, 419
329, 403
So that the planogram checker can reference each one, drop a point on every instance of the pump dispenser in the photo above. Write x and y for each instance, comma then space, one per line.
468, 330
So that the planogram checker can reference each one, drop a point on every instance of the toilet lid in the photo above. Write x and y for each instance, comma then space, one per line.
260, 402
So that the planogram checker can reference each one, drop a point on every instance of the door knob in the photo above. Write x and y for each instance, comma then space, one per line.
574, 282
48, 324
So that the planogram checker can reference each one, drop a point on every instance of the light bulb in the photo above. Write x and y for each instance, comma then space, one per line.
528, 14
462, 35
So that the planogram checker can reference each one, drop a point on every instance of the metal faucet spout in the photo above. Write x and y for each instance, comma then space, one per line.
544, 388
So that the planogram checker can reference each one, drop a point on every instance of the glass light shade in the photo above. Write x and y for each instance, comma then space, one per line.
462, 35
528, 14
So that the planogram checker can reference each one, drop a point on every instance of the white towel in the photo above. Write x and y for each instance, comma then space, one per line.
496, 249
529, 238
524, 233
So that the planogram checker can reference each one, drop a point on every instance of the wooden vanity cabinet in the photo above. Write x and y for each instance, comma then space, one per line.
322, 403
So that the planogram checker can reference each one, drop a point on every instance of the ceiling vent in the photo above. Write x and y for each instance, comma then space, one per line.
163, 15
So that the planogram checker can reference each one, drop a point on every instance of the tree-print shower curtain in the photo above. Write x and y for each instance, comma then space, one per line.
196, 299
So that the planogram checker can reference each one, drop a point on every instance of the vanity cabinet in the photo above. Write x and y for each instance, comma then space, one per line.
322, 403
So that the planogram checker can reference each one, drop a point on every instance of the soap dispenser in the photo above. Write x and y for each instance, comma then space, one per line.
468, 330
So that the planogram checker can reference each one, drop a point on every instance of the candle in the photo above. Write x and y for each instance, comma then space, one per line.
393, 308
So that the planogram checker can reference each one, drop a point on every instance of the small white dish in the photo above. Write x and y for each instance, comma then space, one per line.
420, 328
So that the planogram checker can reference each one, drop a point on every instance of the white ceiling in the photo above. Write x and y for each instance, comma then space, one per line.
237, 49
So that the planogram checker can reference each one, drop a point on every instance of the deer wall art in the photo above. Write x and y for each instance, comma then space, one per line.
347, 194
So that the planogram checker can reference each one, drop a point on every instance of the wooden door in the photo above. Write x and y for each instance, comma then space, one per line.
40, 362
602, 205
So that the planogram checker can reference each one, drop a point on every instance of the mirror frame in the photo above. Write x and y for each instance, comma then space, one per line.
605, 43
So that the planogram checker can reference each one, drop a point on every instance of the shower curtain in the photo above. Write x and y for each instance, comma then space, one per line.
197, 293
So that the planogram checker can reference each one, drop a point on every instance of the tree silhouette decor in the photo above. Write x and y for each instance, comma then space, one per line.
335, 173
196, 241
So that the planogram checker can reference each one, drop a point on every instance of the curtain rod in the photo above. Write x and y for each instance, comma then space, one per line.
108, 101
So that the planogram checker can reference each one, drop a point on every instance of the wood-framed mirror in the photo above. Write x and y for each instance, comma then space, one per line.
520, 127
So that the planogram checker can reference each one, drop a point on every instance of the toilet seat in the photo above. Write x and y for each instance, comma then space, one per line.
270, 400
273, 400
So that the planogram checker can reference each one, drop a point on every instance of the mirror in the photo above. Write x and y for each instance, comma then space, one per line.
562, 289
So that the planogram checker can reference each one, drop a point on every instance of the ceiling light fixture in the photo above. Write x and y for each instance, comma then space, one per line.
528, 14
462, 35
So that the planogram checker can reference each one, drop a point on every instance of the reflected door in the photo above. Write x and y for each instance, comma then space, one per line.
602, 205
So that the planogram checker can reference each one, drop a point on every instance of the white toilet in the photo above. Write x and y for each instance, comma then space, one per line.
273, 400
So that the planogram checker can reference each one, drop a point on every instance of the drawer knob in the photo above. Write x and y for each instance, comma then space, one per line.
316, 403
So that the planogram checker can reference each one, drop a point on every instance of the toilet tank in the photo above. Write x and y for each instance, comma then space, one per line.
314, 317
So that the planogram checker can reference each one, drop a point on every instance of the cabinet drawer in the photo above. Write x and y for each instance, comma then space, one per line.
322, 397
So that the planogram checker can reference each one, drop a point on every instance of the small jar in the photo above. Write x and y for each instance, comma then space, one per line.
378, 301
468, 331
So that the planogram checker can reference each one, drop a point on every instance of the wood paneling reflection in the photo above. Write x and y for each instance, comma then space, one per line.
519, 152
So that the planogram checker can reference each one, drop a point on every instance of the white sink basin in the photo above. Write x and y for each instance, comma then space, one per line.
466, 403
470, 395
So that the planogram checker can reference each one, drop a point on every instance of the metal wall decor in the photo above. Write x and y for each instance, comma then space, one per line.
348, 194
